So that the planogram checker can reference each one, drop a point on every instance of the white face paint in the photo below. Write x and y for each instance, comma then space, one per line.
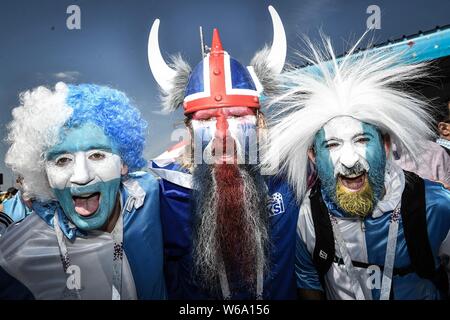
84, 171
83, 168
241, 131
346, 142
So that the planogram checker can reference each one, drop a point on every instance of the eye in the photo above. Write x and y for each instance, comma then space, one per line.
62, 161
206, 123
96, 156
204, 118
362, 140
331, 145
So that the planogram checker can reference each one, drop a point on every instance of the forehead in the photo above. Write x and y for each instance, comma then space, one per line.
227, 111
346, 128
86, 137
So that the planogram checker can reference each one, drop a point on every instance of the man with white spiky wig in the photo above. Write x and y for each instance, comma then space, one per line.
366, 229
94, 231
229, 233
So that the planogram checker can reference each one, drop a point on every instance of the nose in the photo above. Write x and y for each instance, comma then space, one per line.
221, 127
349, 157
81, 174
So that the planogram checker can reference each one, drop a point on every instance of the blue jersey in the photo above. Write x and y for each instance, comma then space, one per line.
177, 220
366, 241
15, 208
30, 263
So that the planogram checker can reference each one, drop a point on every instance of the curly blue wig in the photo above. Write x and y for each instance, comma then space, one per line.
111, 110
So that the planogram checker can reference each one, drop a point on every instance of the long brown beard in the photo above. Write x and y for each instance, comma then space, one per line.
231, 223
237, 242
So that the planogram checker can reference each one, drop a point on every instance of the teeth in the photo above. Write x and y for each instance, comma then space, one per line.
351, 176
86, 195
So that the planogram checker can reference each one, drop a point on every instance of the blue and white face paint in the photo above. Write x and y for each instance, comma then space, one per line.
348, 152
238, 145
84, 172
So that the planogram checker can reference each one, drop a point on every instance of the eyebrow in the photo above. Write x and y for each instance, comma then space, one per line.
99, 146
363, 134
353, 137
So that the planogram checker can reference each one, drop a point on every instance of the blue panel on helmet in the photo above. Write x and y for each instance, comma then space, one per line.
240, 77
196, 81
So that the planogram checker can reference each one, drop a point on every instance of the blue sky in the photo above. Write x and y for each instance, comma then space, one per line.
111, 47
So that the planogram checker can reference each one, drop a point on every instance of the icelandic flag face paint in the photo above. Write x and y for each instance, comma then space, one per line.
84, 171
225, 139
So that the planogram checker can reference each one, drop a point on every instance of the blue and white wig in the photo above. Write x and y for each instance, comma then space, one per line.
38, 122
368, 86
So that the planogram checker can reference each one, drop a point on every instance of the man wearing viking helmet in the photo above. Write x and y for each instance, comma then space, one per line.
229, 232
367, 229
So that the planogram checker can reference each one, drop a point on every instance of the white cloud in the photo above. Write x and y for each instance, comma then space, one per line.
67, 75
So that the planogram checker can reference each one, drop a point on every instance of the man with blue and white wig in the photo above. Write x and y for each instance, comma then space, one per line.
95, 231
366, 229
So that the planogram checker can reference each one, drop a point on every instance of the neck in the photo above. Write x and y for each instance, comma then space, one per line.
111, 223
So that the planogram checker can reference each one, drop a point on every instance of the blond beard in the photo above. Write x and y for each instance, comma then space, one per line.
359, 203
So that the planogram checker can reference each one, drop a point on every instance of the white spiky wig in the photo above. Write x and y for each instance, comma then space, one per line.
368, 86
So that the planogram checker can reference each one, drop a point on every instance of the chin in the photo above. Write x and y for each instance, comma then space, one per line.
93, 221
355, 201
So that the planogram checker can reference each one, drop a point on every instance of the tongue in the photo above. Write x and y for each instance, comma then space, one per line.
353, 183
87, 206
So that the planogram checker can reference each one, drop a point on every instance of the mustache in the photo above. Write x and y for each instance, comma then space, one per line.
358, 168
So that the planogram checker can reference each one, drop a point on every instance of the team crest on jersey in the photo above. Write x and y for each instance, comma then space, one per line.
275, 204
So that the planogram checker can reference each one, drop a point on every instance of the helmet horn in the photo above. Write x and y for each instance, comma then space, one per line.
277, 55
163, 74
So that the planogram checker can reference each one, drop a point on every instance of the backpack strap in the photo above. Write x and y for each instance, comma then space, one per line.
415, 226
416, 233
324, 251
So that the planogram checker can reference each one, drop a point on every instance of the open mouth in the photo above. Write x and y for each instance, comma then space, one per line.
354, 182
86, 204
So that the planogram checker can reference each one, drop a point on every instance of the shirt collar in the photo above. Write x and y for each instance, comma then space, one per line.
443, 142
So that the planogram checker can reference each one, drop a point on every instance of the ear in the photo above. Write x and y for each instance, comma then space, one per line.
387, 144
312, 155
444, 129
123, 169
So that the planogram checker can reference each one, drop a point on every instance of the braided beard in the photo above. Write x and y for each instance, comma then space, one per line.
231, 223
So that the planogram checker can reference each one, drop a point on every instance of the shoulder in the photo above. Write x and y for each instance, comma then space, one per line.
145, 180
18, 235
143, 190
437, 200
438, 150
166, 167
278, 185
305, 223
437, 197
